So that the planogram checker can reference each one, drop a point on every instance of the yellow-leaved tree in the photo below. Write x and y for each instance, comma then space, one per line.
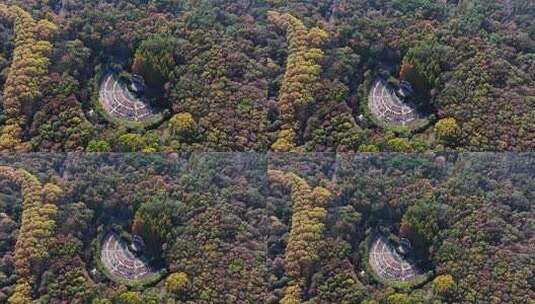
306, 234
301, 78
36, 229
26, 73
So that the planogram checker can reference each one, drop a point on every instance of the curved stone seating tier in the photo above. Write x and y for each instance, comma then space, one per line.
388, 264
386, 106
121, 262
119, 102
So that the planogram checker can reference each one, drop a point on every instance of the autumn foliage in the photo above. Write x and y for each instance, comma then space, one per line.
28, 70
237, 232
306, 235
36, 229
301, 77
182, 124
177, 283
448, 130
443, 284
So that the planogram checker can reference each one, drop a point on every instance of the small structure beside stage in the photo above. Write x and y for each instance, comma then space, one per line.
405, 90
138, 245
138, 84
404, 248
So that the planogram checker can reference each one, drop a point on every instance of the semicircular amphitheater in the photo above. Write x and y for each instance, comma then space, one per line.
121, 263
389, 109
389, 265
120, 103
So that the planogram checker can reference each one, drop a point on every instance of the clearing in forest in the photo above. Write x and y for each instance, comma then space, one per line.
120, 103
121, 263
389, 109
389, 265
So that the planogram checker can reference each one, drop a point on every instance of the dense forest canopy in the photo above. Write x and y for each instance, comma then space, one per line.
260, 123
279, 228
266, 75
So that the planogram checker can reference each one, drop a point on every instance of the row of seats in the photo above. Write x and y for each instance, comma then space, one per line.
119, 260
119, 103
388, 264
388, 107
